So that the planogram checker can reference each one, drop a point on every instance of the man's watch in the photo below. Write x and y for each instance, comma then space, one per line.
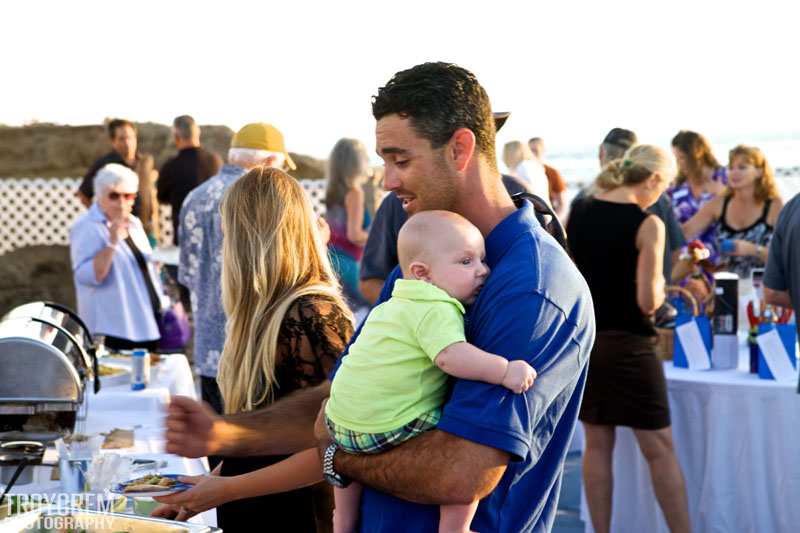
331, 475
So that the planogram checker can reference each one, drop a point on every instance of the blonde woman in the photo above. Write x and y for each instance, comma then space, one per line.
521, 163
744, 215
619, 247
286, 326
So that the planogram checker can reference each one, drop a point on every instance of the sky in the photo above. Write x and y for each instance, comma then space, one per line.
567, 70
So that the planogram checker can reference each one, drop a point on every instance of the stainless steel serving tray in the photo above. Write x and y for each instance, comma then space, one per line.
38, 521
38, 375
69, 321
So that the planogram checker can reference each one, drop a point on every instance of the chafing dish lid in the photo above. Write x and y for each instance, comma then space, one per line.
33, 355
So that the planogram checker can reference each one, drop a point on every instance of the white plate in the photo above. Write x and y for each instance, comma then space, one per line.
180, 487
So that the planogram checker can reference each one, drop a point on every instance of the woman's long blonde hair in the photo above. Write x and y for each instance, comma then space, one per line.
271, 255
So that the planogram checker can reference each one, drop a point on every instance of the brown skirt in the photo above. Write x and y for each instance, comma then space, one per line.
626, 385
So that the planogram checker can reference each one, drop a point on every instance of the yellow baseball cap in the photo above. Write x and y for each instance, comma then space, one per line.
262, 136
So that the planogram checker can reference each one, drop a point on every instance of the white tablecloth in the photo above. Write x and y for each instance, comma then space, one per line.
143, 411
737, 438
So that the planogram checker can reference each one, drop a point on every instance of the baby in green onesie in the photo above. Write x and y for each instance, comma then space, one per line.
392, 384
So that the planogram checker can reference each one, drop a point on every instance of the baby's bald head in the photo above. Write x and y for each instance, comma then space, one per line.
428, 234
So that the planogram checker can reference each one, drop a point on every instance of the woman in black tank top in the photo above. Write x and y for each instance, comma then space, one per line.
619, 248
747, 212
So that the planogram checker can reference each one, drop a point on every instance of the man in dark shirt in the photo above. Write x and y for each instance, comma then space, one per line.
782, 277
192, 166
123, 143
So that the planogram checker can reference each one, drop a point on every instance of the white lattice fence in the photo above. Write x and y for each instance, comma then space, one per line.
41, 210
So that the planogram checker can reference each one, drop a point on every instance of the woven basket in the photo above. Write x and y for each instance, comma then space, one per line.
665, 341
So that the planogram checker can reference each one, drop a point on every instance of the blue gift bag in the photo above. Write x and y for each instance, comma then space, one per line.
788, 335
679, 358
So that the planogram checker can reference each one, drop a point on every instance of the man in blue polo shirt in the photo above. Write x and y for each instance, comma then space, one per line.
436, 135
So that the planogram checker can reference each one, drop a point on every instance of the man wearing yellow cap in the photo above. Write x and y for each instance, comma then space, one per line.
200, 241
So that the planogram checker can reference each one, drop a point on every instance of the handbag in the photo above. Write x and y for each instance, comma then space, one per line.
173, 323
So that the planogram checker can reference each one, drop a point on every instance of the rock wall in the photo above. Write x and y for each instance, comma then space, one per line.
36, 273
48, 150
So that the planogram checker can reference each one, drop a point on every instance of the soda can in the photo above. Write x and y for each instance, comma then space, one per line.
140, 369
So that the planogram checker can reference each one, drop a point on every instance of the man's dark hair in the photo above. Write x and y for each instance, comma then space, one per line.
115, 124
440, 98
185, 126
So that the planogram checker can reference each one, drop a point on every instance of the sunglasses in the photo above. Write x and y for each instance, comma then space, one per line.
130, 196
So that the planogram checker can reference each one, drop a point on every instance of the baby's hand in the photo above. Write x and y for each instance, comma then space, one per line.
519, 376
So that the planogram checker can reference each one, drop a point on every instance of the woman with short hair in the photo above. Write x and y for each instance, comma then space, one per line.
110, 256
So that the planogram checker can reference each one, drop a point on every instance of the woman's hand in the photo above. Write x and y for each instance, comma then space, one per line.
118, 230
172, 512
209, 491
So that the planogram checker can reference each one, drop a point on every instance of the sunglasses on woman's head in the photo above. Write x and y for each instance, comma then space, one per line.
130, 196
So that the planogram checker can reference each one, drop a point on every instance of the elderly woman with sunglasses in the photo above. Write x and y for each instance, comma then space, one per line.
119, 293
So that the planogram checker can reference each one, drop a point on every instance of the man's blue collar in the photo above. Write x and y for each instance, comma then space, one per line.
506, 232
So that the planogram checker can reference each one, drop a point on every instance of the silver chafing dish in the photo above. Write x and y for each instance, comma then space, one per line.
47, 361
65, 318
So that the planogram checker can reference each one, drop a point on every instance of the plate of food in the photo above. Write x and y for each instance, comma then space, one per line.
151, 485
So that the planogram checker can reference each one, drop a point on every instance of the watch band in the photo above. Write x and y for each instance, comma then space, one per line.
328, 472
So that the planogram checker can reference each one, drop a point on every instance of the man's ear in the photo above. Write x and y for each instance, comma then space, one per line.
419, 270
462, 148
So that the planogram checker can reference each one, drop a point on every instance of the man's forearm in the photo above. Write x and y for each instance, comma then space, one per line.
284, 427
433, 468
102, 263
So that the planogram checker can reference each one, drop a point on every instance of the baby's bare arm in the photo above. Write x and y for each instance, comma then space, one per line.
465, 361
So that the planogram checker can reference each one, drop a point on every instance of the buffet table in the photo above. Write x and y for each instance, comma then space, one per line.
143, 411
737, 438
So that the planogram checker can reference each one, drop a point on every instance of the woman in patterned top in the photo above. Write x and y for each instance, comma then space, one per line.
744, 215
286, 326
700, 179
